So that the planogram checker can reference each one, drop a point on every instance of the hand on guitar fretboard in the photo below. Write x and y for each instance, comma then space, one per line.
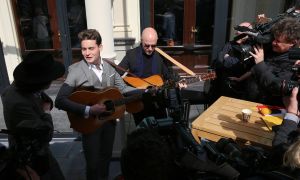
202, 77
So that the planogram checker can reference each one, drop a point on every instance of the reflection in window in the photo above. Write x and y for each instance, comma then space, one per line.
204, 21
34, 21
168, 21
76, 19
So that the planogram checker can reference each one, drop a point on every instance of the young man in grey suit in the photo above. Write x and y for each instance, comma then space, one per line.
92, 71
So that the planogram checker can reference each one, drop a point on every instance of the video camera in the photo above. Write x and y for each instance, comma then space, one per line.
246, 159
260, 34
176, 122
189, 155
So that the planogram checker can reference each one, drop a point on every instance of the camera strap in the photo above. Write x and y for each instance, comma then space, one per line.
181, 66
127, 72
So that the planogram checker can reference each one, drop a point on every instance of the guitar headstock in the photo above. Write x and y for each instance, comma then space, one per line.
208, 76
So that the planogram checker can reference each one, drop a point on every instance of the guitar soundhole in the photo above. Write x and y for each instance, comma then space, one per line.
109, 106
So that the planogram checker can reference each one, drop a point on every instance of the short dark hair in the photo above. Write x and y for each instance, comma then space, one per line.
288, 27
90, 34
146, 156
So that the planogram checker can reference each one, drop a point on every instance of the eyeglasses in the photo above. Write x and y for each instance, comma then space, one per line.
150, 45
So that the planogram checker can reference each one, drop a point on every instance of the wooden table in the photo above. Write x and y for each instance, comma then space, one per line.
224, 119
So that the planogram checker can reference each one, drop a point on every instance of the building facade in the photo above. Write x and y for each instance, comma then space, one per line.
191, 31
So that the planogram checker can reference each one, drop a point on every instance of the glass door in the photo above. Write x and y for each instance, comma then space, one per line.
185, 30
50, 25
34, 22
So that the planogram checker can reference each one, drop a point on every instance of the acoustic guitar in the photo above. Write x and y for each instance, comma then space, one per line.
115, 103
143, 83
156, 80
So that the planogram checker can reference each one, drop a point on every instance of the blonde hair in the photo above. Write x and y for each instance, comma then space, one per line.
291, 157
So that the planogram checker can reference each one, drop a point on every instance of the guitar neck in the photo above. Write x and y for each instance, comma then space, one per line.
203, 77
192, 80
127, 100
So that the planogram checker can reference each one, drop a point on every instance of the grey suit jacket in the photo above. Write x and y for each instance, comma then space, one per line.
81, 76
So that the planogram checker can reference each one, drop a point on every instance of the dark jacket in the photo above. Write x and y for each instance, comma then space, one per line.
269, 75
231, 66
143, 65
282, 140
32, 130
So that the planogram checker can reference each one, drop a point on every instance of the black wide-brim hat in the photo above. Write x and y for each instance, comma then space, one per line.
38, 67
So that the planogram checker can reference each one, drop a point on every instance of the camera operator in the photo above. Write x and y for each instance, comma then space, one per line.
284, 159
286, 133
277, 66
230, 68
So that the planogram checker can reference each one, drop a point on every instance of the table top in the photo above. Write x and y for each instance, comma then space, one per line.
224, 119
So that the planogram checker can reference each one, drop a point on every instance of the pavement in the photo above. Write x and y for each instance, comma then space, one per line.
69, 152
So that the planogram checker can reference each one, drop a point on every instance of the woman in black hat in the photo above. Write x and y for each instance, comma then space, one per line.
26, 109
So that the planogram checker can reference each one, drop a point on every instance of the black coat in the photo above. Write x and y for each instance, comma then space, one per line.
143, 65
269, 75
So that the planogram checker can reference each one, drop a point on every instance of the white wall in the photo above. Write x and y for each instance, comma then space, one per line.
246, 10
9, 38
271, 8
126, 18
126, 23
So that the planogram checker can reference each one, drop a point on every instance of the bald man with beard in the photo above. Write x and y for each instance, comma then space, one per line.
143, 61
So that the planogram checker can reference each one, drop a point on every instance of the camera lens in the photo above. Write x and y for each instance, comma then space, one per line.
288, 86
242, 51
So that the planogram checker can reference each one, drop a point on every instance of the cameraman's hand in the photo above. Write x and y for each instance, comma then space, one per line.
46, 107
182, 83
291, 102
258, 54
297, 62
152, 90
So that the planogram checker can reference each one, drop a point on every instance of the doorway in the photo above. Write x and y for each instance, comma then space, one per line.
47, 25
186, 29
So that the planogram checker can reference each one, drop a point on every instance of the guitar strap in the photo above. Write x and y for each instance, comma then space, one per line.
181, 66
119, 68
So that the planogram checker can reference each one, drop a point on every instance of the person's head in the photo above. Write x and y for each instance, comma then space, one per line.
243, 24
38, 11
145, 156
149, 40
286, 34
91, 45
36, 72
291, 157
